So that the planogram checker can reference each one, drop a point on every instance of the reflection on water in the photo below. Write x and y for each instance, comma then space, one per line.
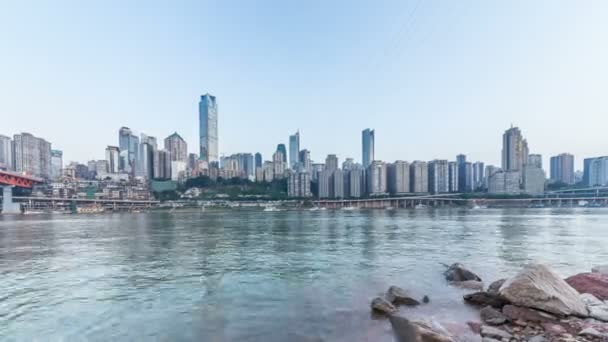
272, 276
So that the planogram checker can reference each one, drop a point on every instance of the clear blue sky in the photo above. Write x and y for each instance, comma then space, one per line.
434, 78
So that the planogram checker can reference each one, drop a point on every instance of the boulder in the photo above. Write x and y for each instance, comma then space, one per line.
485, 299
380, 305
553, 329
457, 272
537, 338
600, 269
491, 332
475, 327
518, 313
593, 283
398, 296
538, 287
468, 284
593, 333
418, 331
495, 286
492, 316
597, 308
425, 299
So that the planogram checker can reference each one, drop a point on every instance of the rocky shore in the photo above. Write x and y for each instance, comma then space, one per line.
535, 305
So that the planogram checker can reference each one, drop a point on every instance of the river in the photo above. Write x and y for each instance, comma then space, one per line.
248, 275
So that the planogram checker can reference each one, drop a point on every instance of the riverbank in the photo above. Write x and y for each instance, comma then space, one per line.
536, 304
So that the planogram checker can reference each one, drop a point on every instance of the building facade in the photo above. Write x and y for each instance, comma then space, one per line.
376, 178
595, 171
162, 165
419, 173
534, 180
177, 147
56, 164
331, 162
514, 150
535, 160
32, 155
113, 159
6, 153
208, 129
453, 177
439, 176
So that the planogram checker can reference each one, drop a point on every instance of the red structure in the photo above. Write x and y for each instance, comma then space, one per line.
15, 179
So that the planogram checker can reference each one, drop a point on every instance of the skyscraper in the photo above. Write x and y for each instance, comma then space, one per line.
535, 160
32, 155
398, 177
439, 176
376, 178
304, 160
258, 160
56, 164
146, 160
129, 145
278, 161
478, 175
367, 144
461, 161
596, 171
113, 158
6, 153
177, 147
419, 173
281, 148
294, 149
453, 177
514, 150
162, 165
208, 132
562, 168
331, 162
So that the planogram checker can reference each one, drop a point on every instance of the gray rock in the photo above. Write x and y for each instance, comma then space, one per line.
484, 298
489, 339
488, 331
457, 272
538, 287
600, 269
591, 332
597, 309
426, 299
432, 332
537, 338
492, 316
468, 284
495, 286
403, 329
399, 296
380, 305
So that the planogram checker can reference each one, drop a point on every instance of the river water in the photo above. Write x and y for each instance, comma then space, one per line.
248, 275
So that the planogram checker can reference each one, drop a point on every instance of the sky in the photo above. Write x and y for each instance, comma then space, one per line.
433, 78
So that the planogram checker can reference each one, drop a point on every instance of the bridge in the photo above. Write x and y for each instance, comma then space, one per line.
84, 204
8, 180
413, 201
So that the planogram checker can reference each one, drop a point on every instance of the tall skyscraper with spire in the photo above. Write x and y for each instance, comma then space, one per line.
208, 132
367, 145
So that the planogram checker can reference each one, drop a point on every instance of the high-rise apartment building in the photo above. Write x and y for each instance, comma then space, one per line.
398, 177
596, 171
113, 158
468, 177
192, 161
298, 184
478, 175
535, 160
453, 177
129, 147
324, 183
419, 173
331, 162
278, 161
294, 150
501, 182
489, 171
514, 150
461, 161
177, 147
56, 164
337, 184
145, 167
32, 155
162, 165
6, 153
439, 176
562, 168
367, 145
281, 148
304, 161
258, 160
208, 129
376, 178
534, 180
355, 186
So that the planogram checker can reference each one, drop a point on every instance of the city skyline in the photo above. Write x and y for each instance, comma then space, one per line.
435, 83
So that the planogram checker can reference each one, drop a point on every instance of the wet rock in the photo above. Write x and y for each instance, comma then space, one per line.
468, 284
489, 339
600, 269
399, 296
491, 332
495, 286
518, 313
485, 299
492, 316
597, 308
538, 287
457, 272
432, 332
403, 329
475, 327
425, 299
380, 305
593, 283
